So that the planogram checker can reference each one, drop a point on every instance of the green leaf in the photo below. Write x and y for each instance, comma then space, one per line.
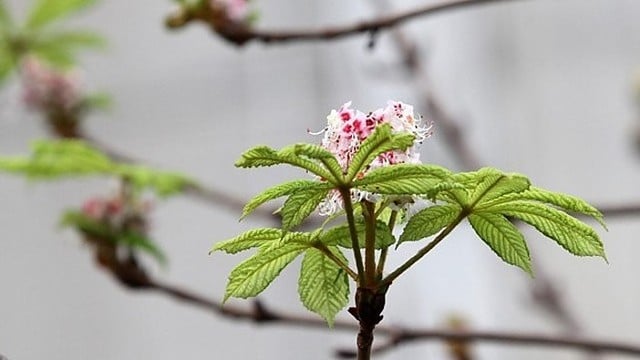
54, 159
341, 236
248, 240
100, 101
141, 242
47, 11
133, 240
503, 238
162, 182
573, 235
506, 185
253, 275
57, 56
78, 220
261, 156
277, 191
7, 63
6, 22
380, 141
405, 179
72, 40
300, 205
72, 158
318, 153
323, 286
429, 221
565, 202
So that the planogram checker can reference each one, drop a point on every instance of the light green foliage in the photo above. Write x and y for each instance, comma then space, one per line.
129, 239
40, 39
503, 238
45, 12
380, 141
261, 156
403, 179
52, 160
488, 198
253, 275
429, 221
340, 235
249, 240
317, 153
61, 48
278, 191
575, 236
323, 286
300, 205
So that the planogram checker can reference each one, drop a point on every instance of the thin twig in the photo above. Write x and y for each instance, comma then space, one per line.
132, 276
241, 35
547, 341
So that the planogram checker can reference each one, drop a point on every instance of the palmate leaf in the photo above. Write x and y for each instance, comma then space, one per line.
429, 221
248, 240
277, 191
341, 236
318, 153
380, 141
323, 286
45, 12
300, 205
51, 160
261, 156
405, 179
503, 238
565, 202
573, 235
253, 275
482, 186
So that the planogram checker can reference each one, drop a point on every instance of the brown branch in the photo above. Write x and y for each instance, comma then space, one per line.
548, 341
544, 291
240, 35
129, 274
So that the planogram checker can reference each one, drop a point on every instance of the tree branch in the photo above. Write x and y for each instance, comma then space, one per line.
131, 275
241, 35
404, 336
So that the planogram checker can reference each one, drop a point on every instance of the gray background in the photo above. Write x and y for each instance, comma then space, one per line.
540, 87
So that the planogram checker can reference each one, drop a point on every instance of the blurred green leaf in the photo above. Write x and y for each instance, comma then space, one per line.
52, 160
98, 101
45, 12
6, 22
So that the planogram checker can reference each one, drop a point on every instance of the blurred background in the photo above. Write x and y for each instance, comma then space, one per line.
541, 87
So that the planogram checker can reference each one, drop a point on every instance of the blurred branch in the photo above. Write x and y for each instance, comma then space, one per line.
130, 274
404, 336
241, 34
544, 290
214, 196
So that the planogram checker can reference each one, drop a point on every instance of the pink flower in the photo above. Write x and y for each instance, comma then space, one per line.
346, 130
117, 212
47, 89
236, 10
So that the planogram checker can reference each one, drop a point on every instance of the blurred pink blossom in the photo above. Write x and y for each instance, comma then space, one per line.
236, 10
48, 89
